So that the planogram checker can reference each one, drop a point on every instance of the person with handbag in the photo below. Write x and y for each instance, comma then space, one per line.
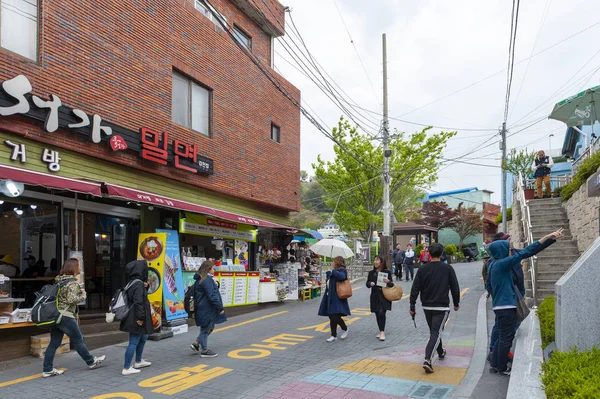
507, 301
432, 283
334, 303
379, 303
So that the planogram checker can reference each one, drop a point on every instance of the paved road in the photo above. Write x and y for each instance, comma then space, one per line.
278, 353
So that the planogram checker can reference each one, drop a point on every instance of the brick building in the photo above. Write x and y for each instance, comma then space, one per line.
119, 115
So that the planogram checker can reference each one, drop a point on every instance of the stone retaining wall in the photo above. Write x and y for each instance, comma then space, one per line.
583, 217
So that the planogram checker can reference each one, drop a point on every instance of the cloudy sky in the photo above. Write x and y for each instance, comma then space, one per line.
439, 56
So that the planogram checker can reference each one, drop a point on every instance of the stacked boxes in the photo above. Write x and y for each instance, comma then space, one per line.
39, 343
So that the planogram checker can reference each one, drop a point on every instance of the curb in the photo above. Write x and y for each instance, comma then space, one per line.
525, 380
477, 366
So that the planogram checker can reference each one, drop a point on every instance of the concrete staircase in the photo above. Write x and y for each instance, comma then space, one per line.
547, 216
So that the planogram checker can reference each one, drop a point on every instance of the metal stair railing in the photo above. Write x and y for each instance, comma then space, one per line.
527, 230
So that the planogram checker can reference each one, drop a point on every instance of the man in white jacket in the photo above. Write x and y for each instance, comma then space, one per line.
541, 168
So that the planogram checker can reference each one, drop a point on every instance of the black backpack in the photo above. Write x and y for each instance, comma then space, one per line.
188, 301
44, 312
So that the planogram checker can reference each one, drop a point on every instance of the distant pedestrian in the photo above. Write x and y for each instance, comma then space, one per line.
379, 304
138, 322
501, 285
409, 263
542, 166
432, 283
208, 306
69, 295
398, 260
425, 256
331, 305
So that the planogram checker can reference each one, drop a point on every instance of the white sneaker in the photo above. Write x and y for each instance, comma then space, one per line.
52, 373
344, 334
130, 371
378, 335
142, 364
97, 361
331, 339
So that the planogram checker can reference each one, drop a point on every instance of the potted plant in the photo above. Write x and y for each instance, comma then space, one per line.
519, 163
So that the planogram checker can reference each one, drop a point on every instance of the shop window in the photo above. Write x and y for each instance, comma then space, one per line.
242, 38
275, 133
191, 104
19, 27
211, 13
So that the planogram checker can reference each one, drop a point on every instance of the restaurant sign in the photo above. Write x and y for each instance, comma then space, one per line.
207, 226
153, 146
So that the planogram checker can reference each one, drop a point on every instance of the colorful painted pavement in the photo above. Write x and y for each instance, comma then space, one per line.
393, 375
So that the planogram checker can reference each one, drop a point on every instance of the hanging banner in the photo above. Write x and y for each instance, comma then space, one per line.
151, 247
188, 279
240, 254
211, 227
173, 287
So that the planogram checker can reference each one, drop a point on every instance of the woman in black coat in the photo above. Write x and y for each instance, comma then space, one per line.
138, 322
379, 305
208, 306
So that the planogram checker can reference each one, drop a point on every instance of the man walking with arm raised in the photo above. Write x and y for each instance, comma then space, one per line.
432, 282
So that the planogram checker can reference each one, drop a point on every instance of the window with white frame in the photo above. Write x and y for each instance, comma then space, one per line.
210, 13
19, 27
275, 133
190, 104
242, 37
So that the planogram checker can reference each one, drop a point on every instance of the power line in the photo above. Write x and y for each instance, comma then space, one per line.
277, 84
501, 71
511, 55
537, 36
357, 53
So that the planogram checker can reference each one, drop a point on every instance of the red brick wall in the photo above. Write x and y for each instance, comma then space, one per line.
115, 58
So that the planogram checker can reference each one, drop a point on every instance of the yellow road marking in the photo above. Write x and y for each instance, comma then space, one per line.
481, 278
405, 296
463, 292
249, 321
357, 288
19, 380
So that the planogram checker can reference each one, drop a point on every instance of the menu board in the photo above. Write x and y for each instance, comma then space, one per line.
241, 289
226, 280
151, 248
253, 281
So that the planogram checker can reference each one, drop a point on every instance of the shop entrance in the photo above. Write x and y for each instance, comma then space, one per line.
106, 244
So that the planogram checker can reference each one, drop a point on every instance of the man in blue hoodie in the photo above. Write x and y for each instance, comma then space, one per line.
504, 296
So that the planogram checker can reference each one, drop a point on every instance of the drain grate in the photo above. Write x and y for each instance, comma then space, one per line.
430, 392
422, 391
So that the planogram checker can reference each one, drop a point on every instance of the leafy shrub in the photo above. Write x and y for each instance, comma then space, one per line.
572, 375
557, 191
418, 250
546, 313
451, 249
460, 256
508, 216
586, 169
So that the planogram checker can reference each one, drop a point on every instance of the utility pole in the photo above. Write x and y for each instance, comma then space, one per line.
385, 240
503, 177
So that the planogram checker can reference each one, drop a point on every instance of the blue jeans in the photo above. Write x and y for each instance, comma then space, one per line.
506, 320
136, 345
203, 337
495, 333
68, 326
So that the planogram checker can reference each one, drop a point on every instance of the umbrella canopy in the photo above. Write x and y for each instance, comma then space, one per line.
581, 109
332, 248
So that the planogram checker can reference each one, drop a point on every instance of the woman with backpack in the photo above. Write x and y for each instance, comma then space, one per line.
331, 304
69, 296
208, 307
138, 322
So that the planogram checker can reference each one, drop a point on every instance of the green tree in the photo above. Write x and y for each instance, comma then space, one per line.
355, 189
519, 162
311, 197
303, 176
467, 222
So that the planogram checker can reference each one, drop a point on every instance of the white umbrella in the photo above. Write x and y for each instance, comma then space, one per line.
331, 248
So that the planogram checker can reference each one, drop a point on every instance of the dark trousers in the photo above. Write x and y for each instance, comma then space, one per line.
68, 326
506, 320
495, 334
409, 269
435, 320
380, 316
398, 271
334, 321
